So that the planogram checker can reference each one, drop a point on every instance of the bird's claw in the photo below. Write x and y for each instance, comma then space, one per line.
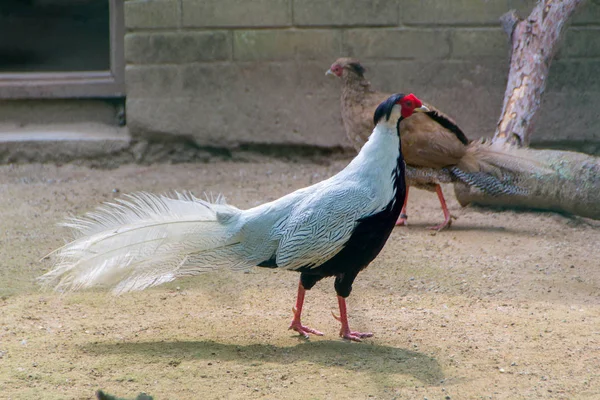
337, 317
304, 330
444, 225
403, 220
301, 329
354, 336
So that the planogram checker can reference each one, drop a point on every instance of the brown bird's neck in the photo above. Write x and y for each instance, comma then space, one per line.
354, 91
355, 84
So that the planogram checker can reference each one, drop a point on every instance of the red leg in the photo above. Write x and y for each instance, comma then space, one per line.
296, 324
402, 221
447, 217
345, 332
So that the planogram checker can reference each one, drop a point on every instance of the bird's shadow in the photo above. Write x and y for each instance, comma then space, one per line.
425, 227
364, 357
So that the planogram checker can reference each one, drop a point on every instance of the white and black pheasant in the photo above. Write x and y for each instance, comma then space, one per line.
333, 228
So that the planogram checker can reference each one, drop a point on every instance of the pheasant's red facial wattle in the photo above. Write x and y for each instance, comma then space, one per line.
337, 69
408, 104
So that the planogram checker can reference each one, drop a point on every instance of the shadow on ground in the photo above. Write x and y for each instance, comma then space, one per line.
363, 357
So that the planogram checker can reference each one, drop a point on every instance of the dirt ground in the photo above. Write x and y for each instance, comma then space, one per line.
505, 305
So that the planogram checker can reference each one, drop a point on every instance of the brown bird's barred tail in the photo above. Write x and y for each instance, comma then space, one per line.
489, 183
570, 187
497, 169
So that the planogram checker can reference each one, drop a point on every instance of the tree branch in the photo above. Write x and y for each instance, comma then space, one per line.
508, 22
534, 43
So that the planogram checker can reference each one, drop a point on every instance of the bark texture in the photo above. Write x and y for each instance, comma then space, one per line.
534, 42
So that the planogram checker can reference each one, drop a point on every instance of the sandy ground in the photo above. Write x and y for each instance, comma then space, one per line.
505, 305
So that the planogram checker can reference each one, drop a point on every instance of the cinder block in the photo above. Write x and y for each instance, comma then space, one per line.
285, 44
177, 47
209, 78
568, 116
236, 13
148, 14
479, 43
460, 12
153, 80
423, 44
346, 13
413, 76
581, 42
579, 75
588, 13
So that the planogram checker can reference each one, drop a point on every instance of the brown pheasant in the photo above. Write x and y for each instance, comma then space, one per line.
434, 148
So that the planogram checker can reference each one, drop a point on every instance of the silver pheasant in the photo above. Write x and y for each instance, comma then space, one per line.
333, 228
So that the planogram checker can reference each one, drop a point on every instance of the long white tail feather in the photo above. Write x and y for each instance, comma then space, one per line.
145, 240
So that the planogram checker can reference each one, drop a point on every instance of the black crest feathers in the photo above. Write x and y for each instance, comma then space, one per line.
356, 67
385, 108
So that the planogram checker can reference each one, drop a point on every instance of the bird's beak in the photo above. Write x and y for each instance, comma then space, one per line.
422, 109
329, 72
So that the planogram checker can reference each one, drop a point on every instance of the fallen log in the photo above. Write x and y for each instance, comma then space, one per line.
566, 182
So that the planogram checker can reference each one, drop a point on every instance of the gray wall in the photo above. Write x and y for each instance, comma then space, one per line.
232, 72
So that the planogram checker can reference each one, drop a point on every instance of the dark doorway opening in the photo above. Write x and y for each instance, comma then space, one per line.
61, 48
54, 35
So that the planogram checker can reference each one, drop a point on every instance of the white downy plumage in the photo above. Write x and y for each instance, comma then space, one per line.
145, 240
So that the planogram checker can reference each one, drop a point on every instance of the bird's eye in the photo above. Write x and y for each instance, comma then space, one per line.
408, 103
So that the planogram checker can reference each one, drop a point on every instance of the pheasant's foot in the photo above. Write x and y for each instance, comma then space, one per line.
304, 330
346, 333
354, 336
444, 225
403, 220
297, 326
440, 227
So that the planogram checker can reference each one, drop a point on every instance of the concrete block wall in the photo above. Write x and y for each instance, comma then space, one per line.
233, 72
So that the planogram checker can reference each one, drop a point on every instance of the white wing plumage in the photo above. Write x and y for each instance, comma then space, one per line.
320, 225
